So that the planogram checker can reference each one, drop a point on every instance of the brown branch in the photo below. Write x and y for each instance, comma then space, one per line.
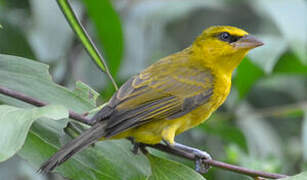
161, 147
218, 164
35, 102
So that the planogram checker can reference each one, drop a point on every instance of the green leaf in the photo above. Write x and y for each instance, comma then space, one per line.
16, 4
167, 169
84, 91
247, 75
13, 41
33, 79
87, 41
290, 18
107, 160
16, 122
301, 176
290, 64
108, 27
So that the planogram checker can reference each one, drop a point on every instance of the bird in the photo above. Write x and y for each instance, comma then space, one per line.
174, 94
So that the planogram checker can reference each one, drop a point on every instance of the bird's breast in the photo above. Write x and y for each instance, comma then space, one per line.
222, 86
221, 89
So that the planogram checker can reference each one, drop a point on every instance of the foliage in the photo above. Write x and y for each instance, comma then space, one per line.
20, 120
45, 138
109, 31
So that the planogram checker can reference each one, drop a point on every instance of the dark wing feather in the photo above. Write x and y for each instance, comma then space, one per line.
165, 90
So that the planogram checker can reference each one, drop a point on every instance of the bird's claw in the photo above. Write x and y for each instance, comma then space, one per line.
167, 143
200, 164
200, 158
137, 146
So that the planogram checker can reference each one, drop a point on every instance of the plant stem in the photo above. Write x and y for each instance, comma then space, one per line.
219, 164
35, 102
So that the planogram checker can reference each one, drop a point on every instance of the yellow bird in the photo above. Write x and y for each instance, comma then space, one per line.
174, 94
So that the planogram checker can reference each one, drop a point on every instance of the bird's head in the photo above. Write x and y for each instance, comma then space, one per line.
224, 46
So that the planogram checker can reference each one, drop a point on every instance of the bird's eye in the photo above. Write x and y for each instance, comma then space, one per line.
225, 36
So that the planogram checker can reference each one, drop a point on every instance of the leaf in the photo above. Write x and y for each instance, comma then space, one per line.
33, 79
16, 4
85, 39
290, 17
167, 169
16, 122
13, 41
301, 176
247, 75
106, 160
290, 64
84, 91
108, 27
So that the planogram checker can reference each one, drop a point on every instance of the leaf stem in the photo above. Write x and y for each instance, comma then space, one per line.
160, 147
85, 38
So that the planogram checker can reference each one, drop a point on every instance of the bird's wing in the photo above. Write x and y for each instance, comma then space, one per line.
168, 89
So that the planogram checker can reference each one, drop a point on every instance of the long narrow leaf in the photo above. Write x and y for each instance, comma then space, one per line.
109, 31
84, 37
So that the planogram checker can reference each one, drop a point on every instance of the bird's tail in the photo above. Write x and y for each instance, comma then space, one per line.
87, 138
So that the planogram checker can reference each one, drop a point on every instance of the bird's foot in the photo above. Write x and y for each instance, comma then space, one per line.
200, 156
168, 143
137, 146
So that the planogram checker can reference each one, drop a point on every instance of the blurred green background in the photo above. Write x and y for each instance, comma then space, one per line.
262, 125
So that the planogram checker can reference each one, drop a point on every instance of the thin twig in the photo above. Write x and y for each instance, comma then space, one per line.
279, 110
218, 164
161, 147
35, 102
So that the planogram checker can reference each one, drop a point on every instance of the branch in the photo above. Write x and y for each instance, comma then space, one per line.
280, 110
35, 102
219, 164
161, 147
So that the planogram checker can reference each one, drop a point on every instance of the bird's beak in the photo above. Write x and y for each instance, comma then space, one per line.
247, 42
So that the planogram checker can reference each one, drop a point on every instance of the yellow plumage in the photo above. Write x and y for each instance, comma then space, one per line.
171, 96
203, 56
